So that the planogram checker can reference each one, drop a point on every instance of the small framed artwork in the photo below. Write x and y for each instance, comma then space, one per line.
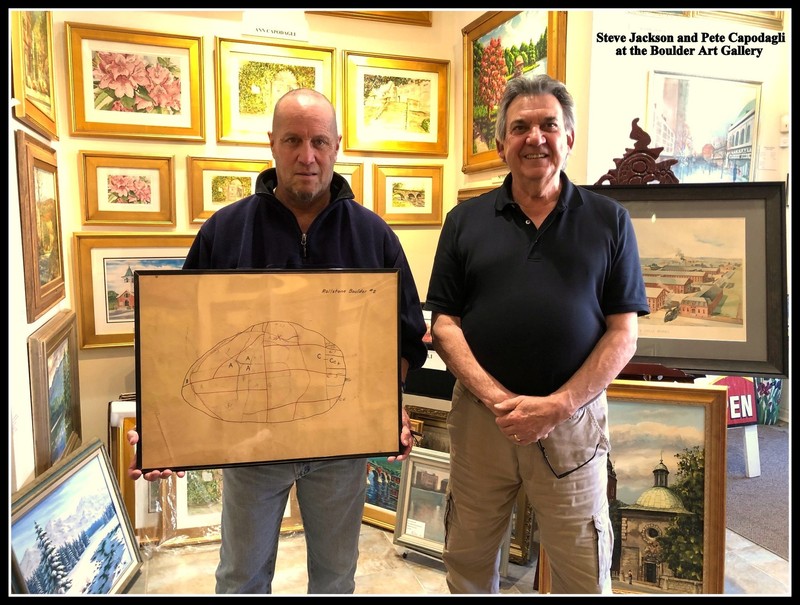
127, 189
715, 271
408, 195
709, 125
55, 392
135, 84
217, 182
104, 269
40, 219
252, 76
422, 18
668, 446
354, 175
70, 532
396, 104
421, 503
498, 46
32, 71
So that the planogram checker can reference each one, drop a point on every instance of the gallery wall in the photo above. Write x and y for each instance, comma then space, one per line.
610, 89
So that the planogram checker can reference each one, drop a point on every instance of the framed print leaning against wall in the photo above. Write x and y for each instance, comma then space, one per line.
714, 259
217, 182
136, 84
498, 46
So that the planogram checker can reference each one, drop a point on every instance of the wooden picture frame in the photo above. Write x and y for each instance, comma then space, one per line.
538, 31
217, 182
55, 389
408, 195
127, 189
729, 316
395, 104
73, 517
353, 172
422, 18
32, 71
709, 125
307, 356
105, 262
421, 502
169, 105
262, 72
651, 426
40, 220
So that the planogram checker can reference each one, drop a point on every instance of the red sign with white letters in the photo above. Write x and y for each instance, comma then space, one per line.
742, 404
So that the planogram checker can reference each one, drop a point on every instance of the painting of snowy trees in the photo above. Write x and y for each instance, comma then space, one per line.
70, 533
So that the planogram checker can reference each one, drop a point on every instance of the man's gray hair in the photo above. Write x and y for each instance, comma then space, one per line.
541, 84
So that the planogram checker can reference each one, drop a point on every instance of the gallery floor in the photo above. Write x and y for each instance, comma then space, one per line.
386, 569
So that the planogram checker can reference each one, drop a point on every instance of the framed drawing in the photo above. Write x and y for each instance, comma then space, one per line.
32, 71
135, 84
307, 360
667, 437
40, 219
396, 104
421, 502
252, 76
408, 195
498, 46
217, 182
354, 175
104, 267
70, 533
55, 391
423, 18
709, 125
714, 259
127, 189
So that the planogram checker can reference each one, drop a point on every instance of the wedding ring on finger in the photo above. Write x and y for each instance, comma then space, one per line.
517, 439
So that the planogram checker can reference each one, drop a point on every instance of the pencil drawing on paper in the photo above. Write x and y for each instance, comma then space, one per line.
276, 371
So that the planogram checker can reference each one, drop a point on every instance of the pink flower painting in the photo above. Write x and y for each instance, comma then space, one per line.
126, 189
136, 83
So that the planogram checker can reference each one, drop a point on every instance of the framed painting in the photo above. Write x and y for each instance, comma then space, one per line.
192, 507
666, 436
217, 182
408, 195
70, 532
421, 502
104, 268
135, 84
308, 361
127, 189
709, 125
715, 268
40, 220
252, 76
55, 391
395, 104
498, 46
32, 71
353, 173
422, 18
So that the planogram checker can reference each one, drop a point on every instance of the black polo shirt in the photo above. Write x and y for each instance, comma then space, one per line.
533, 302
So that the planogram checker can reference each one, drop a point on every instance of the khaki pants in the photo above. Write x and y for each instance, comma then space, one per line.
486, 473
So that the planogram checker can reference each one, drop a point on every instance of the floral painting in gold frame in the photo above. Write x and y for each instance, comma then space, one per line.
408, 195
127, 189
217, 182
133, 83
498, 46
32, 71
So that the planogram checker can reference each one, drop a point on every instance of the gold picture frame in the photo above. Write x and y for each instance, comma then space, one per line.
408, 195
422, 18
262, 72
105, 262
40, 220
354, 175
396, 105
518, 28
127, 189
217, 182
32, 71
677, 421
104, 107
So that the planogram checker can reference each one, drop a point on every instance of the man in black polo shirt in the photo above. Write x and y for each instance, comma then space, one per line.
535, 292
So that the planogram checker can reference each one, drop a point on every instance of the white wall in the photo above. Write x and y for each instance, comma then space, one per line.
609, 91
